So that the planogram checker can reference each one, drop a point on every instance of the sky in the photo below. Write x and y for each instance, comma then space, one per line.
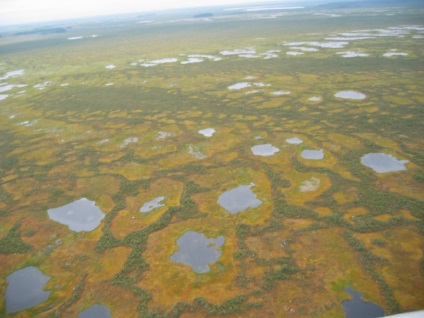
25, 11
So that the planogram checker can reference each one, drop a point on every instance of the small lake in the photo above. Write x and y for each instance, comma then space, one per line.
294, 141
80, 215
239, 86
350, 95
198, 251
208, 132
151, 205
25, 289
264, 150
382, 163
239, 199
95, 311
312, 154
280, 93
358, 308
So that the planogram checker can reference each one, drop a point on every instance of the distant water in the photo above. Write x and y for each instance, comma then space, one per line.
95, 311
239, 199
358, 308
350, 95
294, 141
198, 251
25, 289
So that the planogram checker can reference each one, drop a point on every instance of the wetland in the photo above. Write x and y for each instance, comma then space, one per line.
258, 162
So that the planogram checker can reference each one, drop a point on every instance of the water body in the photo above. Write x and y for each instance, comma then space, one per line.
208, 132
279, 93
95, 311
12, 73
264, 150
294, 53
313, 154
239, 86
80, 215
239, 199
390, 54
25, 289
356, 307
349, 54
239, 51
151, 205
350, 95
192, 60
382, 163
294, 141
198, 251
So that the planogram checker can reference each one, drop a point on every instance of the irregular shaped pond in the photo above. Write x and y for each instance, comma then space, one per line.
151, 205
80, 215
239, 199
382, 163
208, 132
356, 307
197, 251
264, 150
313, 154
97, 311
25, 289
350, 95
294, 141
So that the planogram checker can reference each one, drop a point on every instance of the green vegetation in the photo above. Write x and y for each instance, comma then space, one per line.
11, 243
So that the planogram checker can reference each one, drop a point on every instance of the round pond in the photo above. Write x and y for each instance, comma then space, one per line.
264, 150
239, 199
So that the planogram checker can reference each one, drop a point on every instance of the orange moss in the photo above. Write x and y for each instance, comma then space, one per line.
295, 224
268, 245
346, 196
182, 283
403, 249
131, 219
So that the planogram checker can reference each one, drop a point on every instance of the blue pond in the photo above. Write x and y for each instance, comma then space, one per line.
358, 308
198, 251
95, 311
25, 289
239, 199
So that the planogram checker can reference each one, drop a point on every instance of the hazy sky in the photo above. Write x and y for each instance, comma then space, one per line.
22, 11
